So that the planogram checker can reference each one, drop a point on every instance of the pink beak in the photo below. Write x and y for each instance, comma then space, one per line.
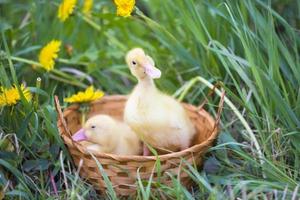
79, 135
152, 71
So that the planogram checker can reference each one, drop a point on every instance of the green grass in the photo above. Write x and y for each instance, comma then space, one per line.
250, 48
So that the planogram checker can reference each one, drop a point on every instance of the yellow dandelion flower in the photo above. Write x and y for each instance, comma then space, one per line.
48, 54
87, 6
11, 96
84, 97
65, 9
124, 7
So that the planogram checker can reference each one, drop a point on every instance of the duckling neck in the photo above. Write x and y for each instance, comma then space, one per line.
146, 83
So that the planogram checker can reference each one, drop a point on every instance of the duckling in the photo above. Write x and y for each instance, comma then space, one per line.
158, 119
109, 136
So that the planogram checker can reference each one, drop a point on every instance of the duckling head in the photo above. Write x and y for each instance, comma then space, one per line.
141, 65
97, 129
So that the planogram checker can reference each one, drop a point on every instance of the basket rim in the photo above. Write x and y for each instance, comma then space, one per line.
178, 154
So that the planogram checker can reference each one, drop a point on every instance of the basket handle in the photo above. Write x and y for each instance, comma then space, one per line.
61, 118
67, 132
220, 106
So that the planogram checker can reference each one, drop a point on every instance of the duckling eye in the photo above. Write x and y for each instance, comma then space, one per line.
93, 126
133, 62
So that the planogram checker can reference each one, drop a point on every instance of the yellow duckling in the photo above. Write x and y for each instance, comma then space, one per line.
109, 136
157, 118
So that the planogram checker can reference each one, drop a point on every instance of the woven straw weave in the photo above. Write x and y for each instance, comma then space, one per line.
122, 170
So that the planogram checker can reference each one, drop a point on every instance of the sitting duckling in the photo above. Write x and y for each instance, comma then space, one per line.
157, 118
108, 136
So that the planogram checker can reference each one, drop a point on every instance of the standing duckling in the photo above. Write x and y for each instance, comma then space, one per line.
109, 136
157, 118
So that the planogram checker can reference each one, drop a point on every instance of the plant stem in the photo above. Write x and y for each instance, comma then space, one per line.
24, 60
66, 61
97, 27
76, 83
38, 85
64, 77
89, 21
83, 117
84, 108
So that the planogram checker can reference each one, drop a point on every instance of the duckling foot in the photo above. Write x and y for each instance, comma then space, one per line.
146, 151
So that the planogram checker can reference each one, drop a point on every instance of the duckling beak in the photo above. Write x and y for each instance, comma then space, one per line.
79, 135
152, 71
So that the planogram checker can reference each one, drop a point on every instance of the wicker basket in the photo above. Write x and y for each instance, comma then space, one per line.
122, 170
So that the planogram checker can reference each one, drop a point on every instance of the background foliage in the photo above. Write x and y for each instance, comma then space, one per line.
251, 48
